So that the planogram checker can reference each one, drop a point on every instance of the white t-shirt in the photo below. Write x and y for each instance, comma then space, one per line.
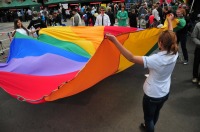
29, 12
22, 31
160, 67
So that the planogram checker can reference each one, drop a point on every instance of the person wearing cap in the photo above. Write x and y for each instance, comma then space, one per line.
102, 19
122, 17
36, 22
142, 22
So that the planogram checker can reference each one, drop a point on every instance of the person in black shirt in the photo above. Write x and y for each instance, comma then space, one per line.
111, 16
90, 19
160, 11
36, 22
56, 19
64, 14
133, 18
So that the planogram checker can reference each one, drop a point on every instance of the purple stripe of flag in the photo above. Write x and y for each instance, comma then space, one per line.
45, 65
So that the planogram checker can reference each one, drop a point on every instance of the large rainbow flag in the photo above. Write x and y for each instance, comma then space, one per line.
64, 61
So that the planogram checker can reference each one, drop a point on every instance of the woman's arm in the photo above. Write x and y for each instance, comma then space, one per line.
169, 20
33, 31
13, 33
126, 53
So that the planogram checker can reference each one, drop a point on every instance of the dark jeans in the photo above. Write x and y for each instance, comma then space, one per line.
151, 109
196, 63
182, 38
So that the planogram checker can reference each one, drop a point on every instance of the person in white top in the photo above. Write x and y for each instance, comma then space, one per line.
155, 12
76, 19
157, 85
102, 19
29, 14
18, 26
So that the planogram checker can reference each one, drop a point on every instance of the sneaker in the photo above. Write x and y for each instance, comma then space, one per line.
195, 80
185, 62
146, 75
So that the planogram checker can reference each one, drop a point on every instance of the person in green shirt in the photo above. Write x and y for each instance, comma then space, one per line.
122, 17
181, 33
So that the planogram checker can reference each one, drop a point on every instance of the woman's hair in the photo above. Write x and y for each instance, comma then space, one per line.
183, 12
155, 5
123, 6
168, 41
16, 26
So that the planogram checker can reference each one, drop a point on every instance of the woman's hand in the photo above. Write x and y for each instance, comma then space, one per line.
170, 16
111, 37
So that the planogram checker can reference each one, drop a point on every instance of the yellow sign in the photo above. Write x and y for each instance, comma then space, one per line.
104, 5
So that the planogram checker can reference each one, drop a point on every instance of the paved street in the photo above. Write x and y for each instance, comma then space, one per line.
112, 105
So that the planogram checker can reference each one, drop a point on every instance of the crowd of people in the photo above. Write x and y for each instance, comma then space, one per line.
144, 15
141, 15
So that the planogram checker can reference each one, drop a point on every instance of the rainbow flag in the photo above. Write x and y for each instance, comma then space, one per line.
64, 61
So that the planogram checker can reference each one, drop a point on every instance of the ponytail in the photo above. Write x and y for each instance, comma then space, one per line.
174, 48
169, 42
